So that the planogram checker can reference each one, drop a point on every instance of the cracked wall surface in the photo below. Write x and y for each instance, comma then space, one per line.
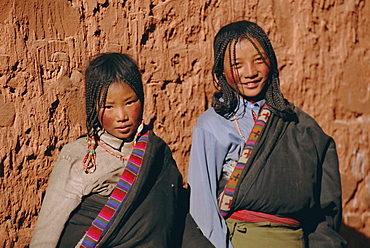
322, 48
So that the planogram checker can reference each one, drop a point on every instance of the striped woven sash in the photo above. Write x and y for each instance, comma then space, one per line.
227, 195
118, 196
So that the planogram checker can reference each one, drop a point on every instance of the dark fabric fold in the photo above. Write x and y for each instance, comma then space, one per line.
154, 213
297, 154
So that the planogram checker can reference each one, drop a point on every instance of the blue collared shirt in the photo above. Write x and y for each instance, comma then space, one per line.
216, 143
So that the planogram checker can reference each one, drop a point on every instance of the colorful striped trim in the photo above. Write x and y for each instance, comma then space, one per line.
227, 195
101, 223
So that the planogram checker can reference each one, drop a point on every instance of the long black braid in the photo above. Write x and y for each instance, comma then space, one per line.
102, 71
225, 102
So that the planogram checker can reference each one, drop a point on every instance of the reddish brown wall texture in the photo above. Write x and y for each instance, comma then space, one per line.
322, 46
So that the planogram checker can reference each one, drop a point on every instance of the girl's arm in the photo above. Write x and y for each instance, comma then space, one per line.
205, 168
325, 233
61, 199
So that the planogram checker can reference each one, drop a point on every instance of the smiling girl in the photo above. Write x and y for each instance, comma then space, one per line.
262, 173
118, 186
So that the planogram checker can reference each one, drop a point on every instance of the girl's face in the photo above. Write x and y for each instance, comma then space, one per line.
122, 113
247, 71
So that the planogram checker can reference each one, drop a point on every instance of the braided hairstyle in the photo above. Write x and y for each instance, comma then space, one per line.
225, 102
103, 70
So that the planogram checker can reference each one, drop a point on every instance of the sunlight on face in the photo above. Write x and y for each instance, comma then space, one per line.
247, 71
122, 113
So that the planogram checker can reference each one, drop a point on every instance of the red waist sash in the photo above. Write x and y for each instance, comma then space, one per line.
251, 216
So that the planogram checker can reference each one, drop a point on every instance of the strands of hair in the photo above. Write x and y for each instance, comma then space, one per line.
103, 70
225, 102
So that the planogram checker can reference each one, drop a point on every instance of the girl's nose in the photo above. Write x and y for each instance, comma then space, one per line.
121, 115
249, 71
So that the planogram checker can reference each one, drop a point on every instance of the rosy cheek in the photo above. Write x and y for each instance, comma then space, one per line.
230, 75
265, 68
266, 71
105, 119
137, 111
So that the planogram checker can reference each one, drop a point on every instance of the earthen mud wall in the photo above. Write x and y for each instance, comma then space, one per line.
323, 50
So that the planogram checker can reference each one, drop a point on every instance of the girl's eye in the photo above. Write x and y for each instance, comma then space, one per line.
132, 102
259, 60
108, 107
236, 65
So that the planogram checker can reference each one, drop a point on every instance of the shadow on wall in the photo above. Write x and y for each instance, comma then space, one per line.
354, 238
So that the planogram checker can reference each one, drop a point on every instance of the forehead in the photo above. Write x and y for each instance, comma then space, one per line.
243, 46
119, 88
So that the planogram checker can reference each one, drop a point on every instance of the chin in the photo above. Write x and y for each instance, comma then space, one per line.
255, 97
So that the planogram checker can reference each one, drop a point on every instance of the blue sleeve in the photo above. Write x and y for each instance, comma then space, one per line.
205, 168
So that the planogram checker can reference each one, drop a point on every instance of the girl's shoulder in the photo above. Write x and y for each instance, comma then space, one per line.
212, 126
153, 138
156, 143
306, 124
75, 148
210, 119
304, 119
69, 162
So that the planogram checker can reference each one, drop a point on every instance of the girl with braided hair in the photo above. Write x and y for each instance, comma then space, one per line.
118, 186
262, 172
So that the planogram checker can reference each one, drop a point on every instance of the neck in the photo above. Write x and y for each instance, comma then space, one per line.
254, 99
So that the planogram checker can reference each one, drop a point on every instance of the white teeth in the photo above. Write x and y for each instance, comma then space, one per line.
250, 83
